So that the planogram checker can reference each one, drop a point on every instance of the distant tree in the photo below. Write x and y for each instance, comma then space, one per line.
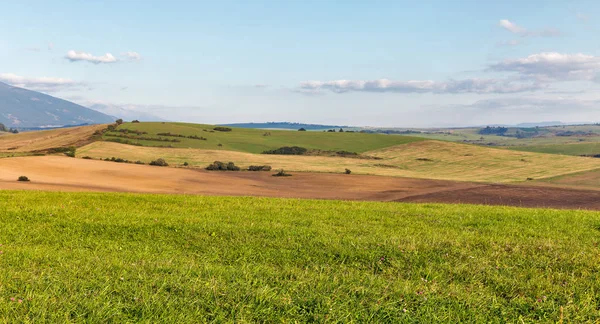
348, 171
159, 162
3, 128
341, 130
135, 121
14, 131
302, 130
119, 121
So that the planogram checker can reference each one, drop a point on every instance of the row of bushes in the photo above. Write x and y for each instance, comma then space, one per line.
220, 166
144, 138
183, 136
287, 150
67, 150
131, 131
118, 160
222, 129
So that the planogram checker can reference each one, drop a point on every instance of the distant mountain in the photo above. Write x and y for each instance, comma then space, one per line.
25, 108
124, 112
284, 125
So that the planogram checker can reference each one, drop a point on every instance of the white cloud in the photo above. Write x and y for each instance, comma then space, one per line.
50, 46
553, 66
512, 27
75, 56
523, 32
132, 56
419, 86
44, 84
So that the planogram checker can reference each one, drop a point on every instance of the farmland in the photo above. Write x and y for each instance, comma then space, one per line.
124, 257
421, 159
251, 140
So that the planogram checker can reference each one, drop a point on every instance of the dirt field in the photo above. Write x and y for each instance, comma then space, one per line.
68, 174
41, 140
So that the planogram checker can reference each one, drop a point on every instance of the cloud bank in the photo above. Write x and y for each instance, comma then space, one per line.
421, 86
75, 56
44, 84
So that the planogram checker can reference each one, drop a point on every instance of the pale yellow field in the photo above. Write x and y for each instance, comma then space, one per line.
41, 140
450, 161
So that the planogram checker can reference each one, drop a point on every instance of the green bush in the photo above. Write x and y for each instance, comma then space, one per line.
348, 171
287, 150
222, 129
159, 162
185, 164
23, 178
259, 168
282, 173
220, 166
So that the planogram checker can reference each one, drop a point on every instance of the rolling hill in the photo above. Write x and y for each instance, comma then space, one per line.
25, 108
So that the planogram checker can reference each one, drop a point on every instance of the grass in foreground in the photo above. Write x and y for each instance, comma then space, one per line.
121, 257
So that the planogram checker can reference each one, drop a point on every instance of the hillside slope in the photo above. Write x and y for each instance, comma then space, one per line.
25, 108
422, 159
250, 140
42, 140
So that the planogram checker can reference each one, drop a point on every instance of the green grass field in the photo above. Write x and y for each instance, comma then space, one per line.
547, 138
254, 141
566, 149
84, 257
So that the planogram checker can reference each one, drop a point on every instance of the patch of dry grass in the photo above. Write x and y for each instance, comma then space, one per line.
41, 140
426, 159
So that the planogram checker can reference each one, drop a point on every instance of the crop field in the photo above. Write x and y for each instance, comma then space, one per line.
422, 159
589, 134
567, 149
42, 140
253, 140
85, 257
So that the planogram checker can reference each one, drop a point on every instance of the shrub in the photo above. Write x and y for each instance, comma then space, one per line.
302, 129
348, 171
135, 121
119, 121
159, 162
220, 166
287, 150
139, 162
87, 158
185, 164
282, 173
23, 178
259, 168
222, 129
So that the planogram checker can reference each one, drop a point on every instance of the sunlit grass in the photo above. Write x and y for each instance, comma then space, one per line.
153, 258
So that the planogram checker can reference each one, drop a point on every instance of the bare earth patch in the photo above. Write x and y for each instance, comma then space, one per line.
68, 174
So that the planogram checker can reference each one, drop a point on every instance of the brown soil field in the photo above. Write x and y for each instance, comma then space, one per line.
42, 140
69, 174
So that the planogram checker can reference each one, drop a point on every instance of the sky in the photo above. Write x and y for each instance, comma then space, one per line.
360, 63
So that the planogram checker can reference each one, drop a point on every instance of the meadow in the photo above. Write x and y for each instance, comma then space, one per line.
256, 140
421, 159
90, 257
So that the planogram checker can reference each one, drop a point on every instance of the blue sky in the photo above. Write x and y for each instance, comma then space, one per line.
368, 63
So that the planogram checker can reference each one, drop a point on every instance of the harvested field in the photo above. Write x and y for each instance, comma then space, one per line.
68, 174
42, 140
424, 159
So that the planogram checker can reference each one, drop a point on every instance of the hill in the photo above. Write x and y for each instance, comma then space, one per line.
43, 140
247, 140
285, 125
190, 259
418, 159
25, 108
